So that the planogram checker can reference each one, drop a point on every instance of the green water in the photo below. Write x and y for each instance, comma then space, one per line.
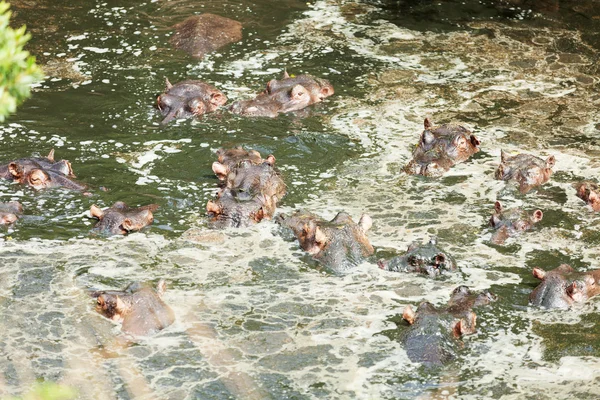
255, 318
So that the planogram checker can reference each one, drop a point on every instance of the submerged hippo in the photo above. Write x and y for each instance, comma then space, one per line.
426, 259
139, 308
527, 170
120, 219
253, 187
339, 244
590, 193
41, 173
432, 338
511, 222
188, 99
229, 159
285, 95
10, 212
563, 286
202, 34
440, 148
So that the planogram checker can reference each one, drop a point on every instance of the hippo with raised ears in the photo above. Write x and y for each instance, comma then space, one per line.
338, 245
190, 98
590, 193
432, 338
139, 308
121, 219
230, 159
563, 287
527, 170
440, 148
511, 222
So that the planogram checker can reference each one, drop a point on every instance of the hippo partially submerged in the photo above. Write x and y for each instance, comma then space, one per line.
527, 170
121, 219
139, 308
563, 287
433, 336
339, 244
427, 259
511, 222
190, 98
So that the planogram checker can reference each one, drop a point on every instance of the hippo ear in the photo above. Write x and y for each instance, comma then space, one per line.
474, 141
96, 212
270, 159
537, 216
428, 124
326, 91
408, 314
539, 273
550, 161
459, 328
15, 170
270, 84
217, 98
168, 84
220, 170
576, 292
50, 156
285, 74
498, 207
499, 172
464, 327
582, 189
440, 258
365, 222
120, 306
297, 92
127, 225
320, 237
503, 156
161, 287
213, 208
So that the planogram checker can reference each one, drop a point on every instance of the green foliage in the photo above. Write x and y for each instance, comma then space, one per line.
17, 68
48, 391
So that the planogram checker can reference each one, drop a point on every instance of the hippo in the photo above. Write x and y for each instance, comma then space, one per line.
432, 337
338, 245
589, 192
139, 308
440, 148
201, 34
507, 223
10, 212
527, 170
17, 168
229, 159
427, 259
121, 219
228, 210
190, 98
285, 95
563, 287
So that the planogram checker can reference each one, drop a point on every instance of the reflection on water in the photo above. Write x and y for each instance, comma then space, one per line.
254, 318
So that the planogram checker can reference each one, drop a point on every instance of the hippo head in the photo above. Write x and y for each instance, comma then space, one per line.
112, 306
426, 259
562, 287
589, 193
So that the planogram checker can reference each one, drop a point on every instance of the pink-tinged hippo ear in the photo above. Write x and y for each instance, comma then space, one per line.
499, 172
270, 84
582, 189
161, 287
503, 156
576, 292
539, 273
96, 212
220, 170
285, 74
297, 92
408, 314
537, 216
168, 84
15, 170
217, 99
365, 222
270, 159
127, 225
593, 197
120, 308
550, 161
428, 123
326, 91
464, 327
50, 156
474, 141
214, 208
458, 328
320, 237
498, 207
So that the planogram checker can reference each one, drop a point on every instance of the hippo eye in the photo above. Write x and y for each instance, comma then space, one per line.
460, 142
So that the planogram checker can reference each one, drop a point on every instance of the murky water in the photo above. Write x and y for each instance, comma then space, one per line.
255, 319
